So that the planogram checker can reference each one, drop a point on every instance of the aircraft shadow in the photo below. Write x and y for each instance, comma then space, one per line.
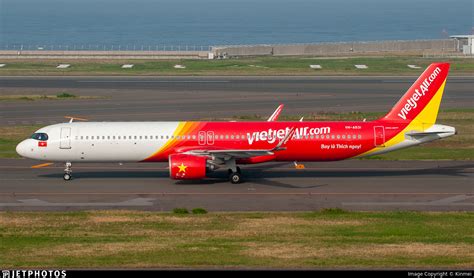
258, 175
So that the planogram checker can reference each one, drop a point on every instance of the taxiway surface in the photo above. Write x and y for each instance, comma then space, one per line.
351, 185
196, 98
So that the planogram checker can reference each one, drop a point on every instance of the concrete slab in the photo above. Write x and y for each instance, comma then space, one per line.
315, 66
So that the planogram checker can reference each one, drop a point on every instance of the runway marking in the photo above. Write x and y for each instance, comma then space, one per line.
40, 203
236, 77
232, 193
450, 201
41, 165
154, 81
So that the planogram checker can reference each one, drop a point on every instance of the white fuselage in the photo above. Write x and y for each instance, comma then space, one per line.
99, 141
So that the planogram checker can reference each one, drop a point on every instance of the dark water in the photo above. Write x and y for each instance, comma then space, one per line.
215, 22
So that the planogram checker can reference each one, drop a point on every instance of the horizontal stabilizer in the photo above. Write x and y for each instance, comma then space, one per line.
426, 133
438, 130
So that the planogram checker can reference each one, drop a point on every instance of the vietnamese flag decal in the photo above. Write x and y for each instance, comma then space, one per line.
42, 144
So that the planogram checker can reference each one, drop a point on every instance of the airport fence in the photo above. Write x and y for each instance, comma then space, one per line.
338, 48
427, 48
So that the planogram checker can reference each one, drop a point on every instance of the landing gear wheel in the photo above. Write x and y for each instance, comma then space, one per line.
235, 178
67, 171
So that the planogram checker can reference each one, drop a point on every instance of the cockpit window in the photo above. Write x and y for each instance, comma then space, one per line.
39, 136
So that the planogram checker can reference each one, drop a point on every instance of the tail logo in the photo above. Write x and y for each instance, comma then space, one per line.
412, 102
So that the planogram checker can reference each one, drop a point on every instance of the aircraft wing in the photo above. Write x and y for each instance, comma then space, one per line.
230, 153
243, 153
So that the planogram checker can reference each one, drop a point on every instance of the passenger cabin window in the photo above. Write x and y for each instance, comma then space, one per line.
39, 136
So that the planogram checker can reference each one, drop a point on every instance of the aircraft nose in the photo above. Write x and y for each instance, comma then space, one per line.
22, 148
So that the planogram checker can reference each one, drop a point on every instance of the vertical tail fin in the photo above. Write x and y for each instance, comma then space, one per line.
421, 102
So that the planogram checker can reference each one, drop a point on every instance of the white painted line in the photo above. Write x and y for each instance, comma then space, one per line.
449, 201
153, 81
452, 199
404, 204
315, 66
396, 81
127, 66
63, 66
179, 67
414, 67
361, 66
256, 66
2, 65
41, 203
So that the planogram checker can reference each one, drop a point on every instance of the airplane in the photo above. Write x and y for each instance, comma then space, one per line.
193, 149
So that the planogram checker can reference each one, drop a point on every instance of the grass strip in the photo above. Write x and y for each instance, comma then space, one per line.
241, 66
325, 239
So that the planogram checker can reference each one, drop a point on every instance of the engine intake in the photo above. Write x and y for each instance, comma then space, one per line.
187, 167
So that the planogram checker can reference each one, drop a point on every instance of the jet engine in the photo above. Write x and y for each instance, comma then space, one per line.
187, 167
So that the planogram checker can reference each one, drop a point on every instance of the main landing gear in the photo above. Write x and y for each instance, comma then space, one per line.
235, 175
67, 171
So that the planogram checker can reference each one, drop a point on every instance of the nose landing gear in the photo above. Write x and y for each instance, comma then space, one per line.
67, 171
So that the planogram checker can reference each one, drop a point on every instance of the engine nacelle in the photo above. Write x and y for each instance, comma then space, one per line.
187, 167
